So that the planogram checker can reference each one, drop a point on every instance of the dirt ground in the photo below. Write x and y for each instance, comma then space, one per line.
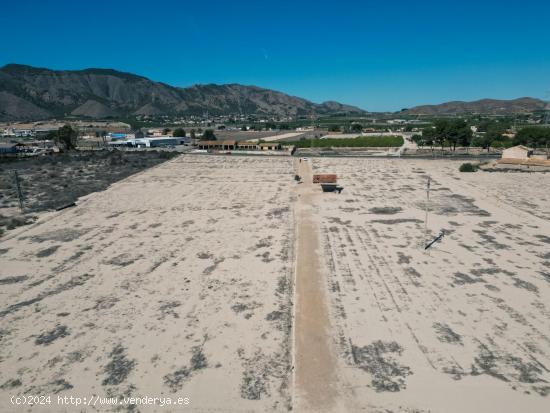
174, 282
462, 327
50, 182
223, 280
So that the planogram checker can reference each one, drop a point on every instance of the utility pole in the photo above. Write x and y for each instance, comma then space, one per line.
547, 117
18, 187
427, 209
312, 129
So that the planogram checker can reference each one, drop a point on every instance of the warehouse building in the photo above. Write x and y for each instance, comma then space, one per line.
148, 142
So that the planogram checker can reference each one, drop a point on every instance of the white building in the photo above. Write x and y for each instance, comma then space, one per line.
154, 142
517, 152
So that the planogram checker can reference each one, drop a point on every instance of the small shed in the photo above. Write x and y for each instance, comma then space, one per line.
517, 152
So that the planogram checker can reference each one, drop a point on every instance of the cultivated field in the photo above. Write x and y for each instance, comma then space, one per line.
223, 280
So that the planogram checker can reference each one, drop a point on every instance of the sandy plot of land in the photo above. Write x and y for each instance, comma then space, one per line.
173, 282
523, 191
464, 327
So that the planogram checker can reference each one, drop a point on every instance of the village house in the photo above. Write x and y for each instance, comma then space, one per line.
524, 157
517, 152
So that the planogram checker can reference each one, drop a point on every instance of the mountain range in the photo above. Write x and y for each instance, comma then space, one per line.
483, 106
31, 93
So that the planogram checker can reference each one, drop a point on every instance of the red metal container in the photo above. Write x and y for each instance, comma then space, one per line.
324, 178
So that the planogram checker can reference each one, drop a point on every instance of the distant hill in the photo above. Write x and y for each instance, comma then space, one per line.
483, 106
31, 93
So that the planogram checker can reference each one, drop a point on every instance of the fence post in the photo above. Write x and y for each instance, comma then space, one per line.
18, 187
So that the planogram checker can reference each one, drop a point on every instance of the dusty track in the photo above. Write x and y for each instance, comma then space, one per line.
315, 360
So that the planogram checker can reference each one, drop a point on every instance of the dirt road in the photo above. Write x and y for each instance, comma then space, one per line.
315, 361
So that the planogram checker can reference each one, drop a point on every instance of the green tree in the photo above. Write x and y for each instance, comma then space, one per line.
536, 137
179, 133
481, 141
452, 131
462, 133
66, 137
440, 132
192, 134
356, 127
491, 133
418, 139
334, 128
428, 137
208, 135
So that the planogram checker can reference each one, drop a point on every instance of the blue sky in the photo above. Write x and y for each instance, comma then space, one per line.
379, 55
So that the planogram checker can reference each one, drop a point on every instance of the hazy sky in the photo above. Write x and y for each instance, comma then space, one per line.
379, 55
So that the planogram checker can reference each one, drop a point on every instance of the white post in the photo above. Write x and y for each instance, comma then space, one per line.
427, 209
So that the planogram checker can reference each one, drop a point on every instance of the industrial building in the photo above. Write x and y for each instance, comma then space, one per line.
149, 142
229, 145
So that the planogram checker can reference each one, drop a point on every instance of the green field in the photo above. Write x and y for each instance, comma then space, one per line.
359, 142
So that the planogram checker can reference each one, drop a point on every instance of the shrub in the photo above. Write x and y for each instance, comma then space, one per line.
468, 167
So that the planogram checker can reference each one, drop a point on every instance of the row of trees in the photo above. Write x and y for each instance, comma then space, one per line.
456, 132
208, 134
535, 137
445, 131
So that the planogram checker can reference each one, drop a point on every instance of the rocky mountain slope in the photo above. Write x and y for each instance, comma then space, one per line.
29, 93
484, 106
